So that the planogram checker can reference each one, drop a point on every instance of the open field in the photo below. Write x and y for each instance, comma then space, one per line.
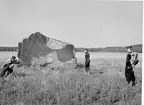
105, 85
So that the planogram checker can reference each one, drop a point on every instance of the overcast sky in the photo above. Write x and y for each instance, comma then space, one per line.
84, 23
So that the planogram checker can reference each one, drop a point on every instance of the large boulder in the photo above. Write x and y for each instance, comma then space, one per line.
38, 49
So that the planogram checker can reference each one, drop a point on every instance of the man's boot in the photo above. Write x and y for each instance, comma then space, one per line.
133, 83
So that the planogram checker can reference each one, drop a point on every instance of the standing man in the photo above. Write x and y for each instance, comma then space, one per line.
131, 61
87, 61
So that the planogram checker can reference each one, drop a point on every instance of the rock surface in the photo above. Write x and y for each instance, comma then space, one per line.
38, 49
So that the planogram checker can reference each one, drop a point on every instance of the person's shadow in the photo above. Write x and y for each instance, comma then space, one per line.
81, 67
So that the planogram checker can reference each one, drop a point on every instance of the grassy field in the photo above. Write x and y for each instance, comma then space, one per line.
105, 85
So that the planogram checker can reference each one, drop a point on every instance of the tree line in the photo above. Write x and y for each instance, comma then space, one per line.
8, 48
136, 48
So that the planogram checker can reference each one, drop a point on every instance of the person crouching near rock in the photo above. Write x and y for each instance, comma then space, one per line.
7, 68
87, 61
131, 62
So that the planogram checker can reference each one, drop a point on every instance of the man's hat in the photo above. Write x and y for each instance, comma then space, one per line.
129, 47
86, 49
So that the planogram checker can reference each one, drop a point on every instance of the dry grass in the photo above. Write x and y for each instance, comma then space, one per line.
105, 86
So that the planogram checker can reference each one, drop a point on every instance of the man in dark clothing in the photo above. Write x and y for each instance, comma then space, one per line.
7, 68
129, 73
87, 61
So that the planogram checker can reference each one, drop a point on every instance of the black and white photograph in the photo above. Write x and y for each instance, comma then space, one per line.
71, 52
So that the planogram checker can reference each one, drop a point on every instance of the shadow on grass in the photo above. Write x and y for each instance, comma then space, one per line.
80, 66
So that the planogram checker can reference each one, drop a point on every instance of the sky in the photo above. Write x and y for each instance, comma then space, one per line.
83, 23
